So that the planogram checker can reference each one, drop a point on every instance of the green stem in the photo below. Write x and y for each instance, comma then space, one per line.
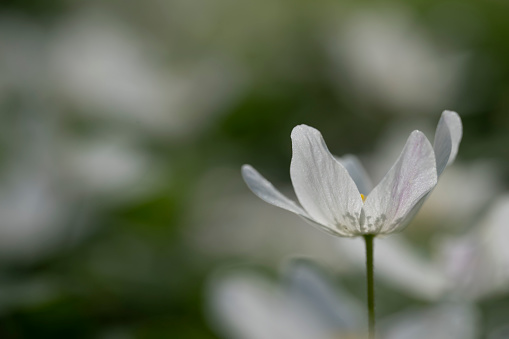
370, 284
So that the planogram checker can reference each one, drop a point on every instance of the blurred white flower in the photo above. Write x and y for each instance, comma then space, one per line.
445, 321
31, 212
101, 65
244, 305
50, 183
478, 262
52, 176
45, 191
464, 191
331, 192
110, 167
33, 206
386, 59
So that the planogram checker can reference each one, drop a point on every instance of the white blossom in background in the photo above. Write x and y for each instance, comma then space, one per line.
477, 262
445, 321
336, 199
50, 183
33, 206
31, 212
94, 67
384, 58
51, 177
305, 304
245, 305
466, 188
109, 167
112, 74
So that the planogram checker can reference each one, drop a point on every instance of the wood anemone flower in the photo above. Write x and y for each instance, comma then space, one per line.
335, 194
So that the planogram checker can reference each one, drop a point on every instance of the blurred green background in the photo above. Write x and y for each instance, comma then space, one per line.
124, 126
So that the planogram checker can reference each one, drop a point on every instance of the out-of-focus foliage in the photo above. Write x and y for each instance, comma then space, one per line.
123, 126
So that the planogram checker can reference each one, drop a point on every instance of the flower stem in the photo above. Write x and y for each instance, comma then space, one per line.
368, 238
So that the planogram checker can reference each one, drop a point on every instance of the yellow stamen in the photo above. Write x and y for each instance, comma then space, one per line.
363, 197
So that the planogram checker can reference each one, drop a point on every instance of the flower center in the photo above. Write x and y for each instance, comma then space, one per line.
363, 197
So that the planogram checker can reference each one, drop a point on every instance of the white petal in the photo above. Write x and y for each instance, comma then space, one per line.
322, 185
247, 305
335, 308
357, 172
478, 261
447, 139
445, 321
267, 192
262, 188
396, 199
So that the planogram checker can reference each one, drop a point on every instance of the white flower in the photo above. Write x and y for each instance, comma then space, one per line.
112, 74
477, 263
304, 304
336, 196
445, 320
382, 57
308, 304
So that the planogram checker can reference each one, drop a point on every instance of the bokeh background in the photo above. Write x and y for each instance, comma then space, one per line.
123, 126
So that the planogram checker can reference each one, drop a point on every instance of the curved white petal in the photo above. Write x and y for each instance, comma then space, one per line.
397, 198
357, 172
267, 192
447, 139
263, 189
322, 185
